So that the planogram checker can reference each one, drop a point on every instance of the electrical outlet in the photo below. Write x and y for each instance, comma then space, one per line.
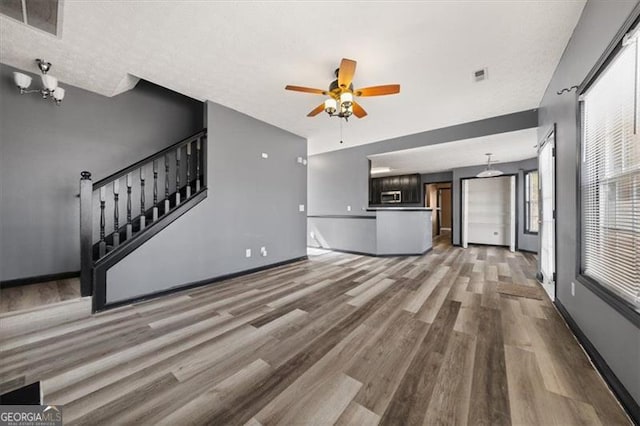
348, 208
304, 162
301, 207
263, 251
573, 288
299, 160
247, 253
265, 155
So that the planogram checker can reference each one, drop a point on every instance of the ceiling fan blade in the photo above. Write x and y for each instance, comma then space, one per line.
345, 73
317, 110
388, 89
358, 111
306, 90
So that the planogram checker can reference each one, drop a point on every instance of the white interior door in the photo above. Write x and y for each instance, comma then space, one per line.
512, 215
465, 214
547, 222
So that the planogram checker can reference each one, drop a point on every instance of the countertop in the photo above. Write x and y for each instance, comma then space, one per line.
405, 209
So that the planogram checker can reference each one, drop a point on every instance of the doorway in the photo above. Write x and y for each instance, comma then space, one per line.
438, 197
547, 209
489, 211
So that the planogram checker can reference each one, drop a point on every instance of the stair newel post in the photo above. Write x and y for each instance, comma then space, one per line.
86, 233
143, 218
198, 165
167, 204
129, 227
177, 177
116, 213
188, 169
102, 245
155, 191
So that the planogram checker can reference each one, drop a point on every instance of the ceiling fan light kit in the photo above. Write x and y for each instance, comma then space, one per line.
341, 93
50, 83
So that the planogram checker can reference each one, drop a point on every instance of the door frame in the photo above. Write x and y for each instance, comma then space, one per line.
424, 192
517, 213
552, 131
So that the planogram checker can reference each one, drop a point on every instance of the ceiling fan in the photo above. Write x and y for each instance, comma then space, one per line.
340, 103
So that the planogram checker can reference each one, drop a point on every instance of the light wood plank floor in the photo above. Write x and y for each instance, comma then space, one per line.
33, 295
338, 339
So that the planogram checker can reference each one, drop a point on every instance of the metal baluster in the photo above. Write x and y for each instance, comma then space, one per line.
177, 177
155, 190
188, 170
143, 217
129, 227
116, 214
167, 205
102, 245
198, 165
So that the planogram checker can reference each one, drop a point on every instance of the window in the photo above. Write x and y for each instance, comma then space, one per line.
43, 15
610, 176
531, 202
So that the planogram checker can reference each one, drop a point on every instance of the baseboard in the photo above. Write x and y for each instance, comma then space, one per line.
628, 403
39, 279
360, 253
526, 251
191, 285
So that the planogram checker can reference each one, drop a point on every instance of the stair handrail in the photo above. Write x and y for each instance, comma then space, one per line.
120, 173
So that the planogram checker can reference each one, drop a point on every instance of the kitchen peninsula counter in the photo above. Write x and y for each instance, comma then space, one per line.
384, 231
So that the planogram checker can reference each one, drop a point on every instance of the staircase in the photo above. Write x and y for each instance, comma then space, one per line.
119, 213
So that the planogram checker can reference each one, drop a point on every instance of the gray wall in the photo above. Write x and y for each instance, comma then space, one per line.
338, 179
349, 233
43, 149
252, 202
524, 241
616, 338
436, 177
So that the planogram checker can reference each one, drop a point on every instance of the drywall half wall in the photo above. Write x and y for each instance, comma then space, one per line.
252, 202
43, 149
614, 336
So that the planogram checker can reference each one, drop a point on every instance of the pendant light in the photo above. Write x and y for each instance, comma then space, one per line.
489, 172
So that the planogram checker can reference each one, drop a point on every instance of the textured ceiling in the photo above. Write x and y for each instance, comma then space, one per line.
505, 147
242, 54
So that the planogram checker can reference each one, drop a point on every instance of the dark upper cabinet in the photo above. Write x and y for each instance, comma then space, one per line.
408, 185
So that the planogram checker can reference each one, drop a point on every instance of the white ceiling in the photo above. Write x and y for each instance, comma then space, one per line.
242, 54
505, 147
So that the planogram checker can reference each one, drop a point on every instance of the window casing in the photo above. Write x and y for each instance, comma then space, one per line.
610, 176
531, 205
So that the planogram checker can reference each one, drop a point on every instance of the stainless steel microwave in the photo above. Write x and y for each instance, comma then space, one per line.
389, 197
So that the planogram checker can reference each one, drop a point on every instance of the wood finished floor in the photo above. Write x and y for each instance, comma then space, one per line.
338, 339
33, 295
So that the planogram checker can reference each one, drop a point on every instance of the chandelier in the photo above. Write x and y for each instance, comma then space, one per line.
50, 89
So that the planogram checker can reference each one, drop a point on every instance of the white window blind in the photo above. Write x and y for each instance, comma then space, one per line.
611, 176
531, 201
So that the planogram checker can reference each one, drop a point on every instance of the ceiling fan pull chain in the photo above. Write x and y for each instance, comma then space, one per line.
340, 131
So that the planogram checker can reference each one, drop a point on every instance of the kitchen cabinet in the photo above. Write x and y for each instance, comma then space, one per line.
408, 185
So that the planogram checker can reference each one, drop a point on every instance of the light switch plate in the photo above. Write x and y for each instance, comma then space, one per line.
265, 155
301, 207
348, 208
247, 253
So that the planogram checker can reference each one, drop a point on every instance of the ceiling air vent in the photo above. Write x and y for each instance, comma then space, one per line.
41, 14
480, 75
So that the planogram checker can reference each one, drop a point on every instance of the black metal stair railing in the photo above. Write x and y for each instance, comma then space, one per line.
101, 232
